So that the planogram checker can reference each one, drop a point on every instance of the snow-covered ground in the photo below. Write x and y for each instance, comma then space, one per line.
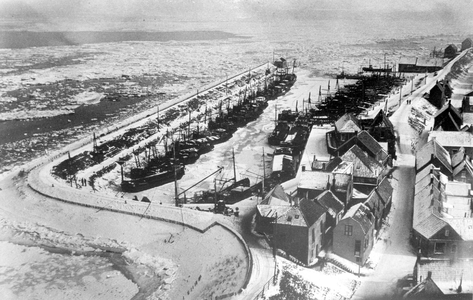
190, 264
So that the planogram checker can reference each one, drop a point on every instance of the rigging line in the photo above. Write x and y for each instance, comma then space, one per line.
145, 211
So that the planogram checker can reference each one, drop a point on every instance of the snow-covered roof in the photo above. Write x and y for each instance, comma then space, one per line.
452, 138
408, 60
361, 214
447, 274
433, 149
276, 196
430, 62
328, 200
347, 124
314, 180
428, 197
372, 145
272, 211
458, 189
364, 165
304, 215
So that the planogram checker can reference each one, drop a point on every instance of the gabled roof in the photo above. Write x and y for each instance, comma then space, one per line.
276, 196
364, 165
424, 289
381, 120
347, 124
457, 158
433, 149
361, 214
272, 211
385, 190
304, 215
428, 199
448, 116
452, 46
328, 200
462, 226
464, 164
447, 275
372, 145
453, 138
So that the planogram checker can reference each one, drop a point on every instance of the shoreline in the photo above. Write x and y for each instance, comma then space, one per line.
129, 269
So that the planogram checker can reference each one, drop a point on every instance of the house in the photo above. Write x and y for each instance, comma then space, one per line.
467, 110
429, 64
353, 235
346, 127
443, 279
379, 202
335, 209
448, 118
367, 171
299, 232
275, 203
438, 93
339, 180
407, 64
453, 141
425, 289
382, 130
433, 153
468, 103
466, 44
439, 230
368, 144
462, 167
450, 51
420, 65
458, 200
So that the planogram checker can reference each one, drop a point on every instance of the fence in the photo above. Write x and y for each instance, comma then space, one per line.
271, 282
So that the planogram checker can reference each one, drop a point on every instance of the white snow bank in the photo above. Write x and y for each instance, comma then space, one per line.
88, 98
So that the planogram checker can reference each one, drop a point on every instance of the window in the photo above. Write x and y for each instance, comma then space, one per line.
313, 235
447, 232
357, 248
439, 248
367, 241
454, 248
348, 230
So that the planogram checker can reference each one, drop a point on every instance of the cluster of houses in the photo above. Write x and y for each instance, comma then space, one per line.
442, 229
340, 196
435, 63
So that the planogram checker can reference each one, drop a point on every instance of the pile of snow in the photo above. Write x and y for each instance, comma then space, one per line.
88, 98
33, 113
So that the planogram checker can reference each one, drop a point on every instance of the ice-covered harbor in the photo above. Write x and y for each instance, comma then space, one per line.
55, 95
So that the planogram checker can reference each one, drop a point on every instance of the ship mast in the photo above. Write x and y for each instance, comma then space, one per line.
234, 167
